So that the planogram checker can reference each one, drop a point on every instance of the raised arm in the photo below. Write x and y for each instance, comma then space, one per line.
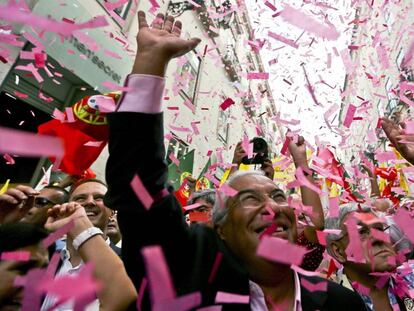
117, 292
136, 148
309, 197
396, 136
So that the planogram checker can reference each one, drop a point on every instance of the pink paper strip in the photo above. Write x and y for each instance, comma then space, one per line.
214, 269
305, 22
29, 144
57, 234
223, 297
227, 190
226, 104
16, 255
174, 160
257, 76
318, 287
280, 38
159, 278
354, 249
69, 115
280, 251
349, 115
303, 181
141, 192
191, 206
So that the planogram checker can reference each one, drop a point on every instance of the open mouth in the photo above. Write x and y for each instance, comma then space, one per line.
92, 212
273, 229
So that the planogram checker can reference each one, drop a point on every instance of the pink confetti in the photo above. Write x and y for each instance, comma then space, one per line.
16, 255
383, 57
216, 265
9, 159
58, 115
223, 297
112, 6
174, 160
93, 143
33, 70
226, 103
303, 181
141, 292
195, 128
141, 192
16, 15
57, 234
115, 87
270, 248
112, 54
305, 22
20, 95
69, 115
257, 76
28, 144
227, 190
349, 115
405, 222
159, 278
354, 249
334, 207
314, 287
280, 38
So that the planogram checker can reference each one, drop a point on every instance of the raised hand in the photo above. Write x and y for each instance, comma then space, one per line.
158, 44
15, 203
60, 215
298, 152
396, 136
239, 154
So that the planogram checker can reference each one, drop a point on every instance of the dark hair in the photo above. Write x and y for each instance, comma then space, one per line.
84, 181
65, 196
17, 235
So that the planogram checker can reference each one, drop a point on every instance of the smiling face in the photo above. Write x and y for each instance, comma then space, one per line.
90, 195
377, 253
258, 205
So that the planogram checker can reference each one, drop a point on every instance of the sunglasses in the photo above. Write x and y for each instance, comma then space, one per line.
40, 202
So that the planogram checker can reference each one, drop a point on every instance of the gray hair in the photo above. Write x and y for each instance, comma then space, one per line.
209, 195
336, 222
220, 210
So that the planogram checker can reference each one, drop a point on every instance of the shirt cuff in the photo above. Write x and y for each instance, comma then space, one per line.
144, 96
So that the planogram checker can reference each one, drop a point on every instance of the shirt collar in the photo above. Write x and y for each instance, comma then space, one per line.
257, 299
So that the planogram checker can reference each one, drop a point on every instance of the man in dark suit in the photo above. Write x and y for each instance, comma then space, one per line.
136, 148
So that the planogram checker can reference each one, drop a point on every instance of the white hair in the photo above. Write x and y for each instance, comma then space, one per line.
220, 210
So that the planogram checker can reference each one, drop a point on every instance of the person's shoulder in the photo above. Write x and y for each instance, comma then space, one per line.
338, 296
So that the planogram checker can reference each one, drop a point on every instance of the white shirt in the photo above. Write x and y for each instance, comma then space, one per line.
68, 269
258, 302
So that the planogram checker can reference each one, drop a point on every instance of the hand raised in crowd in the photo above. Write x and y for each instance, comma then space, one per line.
267, 168
298, 152
158, 44
60, 215
239, 154
15, 203
396, 135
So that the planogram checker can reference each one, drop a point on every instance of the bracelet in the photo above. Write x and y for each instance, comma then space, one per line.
84, 236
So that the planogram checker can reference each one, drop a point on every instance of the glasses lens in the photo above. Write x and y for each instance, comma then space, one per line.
41, 202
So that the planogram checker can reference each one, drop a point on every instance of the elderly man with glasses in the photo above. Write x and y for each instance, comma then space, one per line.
217, 266
362, 244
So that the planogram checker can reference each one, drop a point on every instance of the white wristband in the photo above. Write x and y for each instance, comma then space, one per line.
84, 236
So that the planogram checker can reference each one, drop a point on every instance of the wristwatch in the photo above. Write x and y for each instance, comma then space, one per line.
85, 235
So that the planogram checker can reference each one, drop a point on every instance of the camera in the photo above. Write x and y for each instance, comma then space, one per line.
260, 150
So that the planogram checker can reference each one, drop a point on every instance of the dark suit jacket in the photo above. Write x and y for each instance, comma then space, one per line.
136, 147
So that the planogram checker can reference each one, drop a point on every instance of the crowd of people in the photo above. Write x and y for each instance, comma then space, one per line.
99, 245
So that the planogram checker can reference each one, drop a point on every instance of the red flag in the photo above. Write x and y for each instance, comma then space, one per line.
86, 137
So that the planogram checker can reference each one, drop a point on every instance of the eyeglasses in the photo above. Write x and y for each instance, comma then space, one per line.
365, 231
40, 202
254, 198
